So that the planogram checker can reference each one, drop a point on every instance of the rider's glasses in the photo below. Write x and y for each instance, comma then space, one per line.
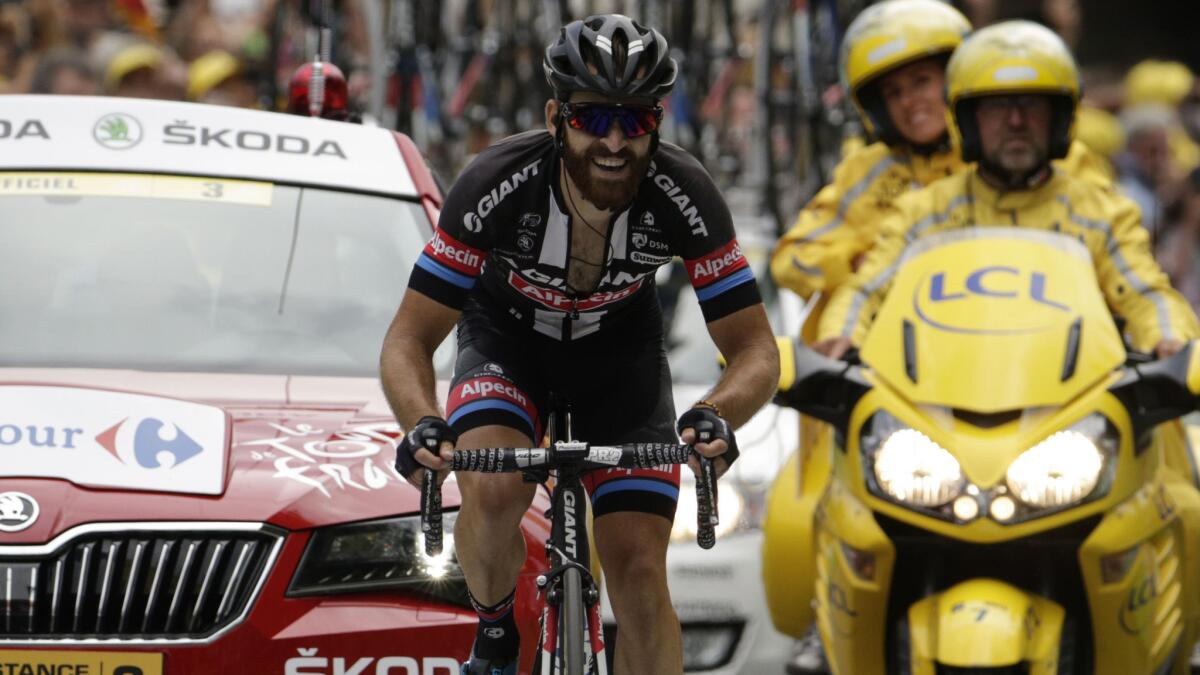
597, 118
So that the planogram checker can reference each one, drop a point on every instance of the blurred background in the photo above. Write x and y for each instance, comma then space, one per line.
758, 101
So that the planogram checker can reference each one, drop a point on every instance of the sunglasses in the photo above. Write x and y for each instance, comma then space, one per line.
597, 118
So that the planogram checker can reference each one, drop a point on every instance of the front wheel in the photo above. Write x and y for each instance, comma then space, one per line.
571, 623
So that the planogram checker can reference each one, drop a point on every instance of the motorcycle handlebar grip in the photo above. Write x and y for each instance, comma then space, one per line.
431, 513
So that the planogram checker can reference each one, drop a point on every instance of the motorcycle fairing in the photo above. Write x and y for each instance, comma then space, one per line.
999, 307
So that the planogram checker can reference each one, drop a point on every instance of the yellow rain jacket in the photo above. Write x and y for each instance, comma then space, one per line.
1108, 224
841, 222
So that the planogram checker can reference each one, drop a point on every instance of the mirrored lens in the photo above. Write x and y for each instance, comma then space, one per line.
598, 119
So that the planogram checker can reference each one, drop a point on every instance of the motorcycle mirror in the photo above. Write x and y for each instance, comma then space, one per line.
1161, 390
817, 385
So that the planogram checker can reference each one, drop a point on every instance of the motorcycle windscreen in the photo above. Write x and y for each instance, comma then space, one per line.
992, 319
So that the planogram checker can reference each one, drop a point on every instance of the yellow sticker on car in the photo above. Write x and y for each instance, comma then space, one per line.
153, 186
34, 662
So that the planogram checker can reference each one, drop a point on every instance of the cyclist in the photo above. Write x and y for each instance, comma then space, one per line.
1012, 89
544, 256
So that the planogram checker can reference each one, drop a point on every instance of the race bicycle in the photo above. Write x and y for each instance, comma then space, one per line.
571, 641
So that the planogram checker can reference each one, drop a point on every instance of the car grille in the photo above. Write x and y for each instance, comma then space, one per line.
131, 584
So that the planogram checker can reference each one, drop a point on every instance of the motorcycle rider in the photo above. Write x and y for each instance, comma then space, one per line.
1013, 89
544, 256
893, 64
893, 61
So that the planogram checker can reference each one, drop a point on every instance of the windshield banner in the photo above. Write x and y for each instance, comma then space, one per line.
112, 439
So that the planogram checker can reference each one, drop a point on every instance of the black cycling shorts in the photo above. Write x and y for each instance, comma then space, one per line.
619, 389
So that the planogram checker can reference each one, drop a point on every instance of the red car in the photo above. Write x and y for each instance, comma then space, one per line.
195, 453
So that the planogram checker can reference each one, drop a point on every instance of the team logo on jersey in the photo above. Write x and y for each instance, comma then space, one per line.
473, 220
648, 219
525, 243
648, 259
716, 265
548, 297
491, 367
530, 221
640, 239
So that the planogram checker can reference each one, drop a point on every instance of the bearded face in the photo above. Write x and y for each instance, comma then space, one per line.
608, 179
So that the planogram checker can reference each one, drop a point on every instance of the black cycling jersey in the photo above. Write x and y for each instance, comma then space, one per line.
505, 225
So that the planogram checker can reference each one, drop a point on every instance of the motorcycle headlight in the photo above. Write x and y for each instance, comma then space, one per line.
378, 555
908, 466
1063, 469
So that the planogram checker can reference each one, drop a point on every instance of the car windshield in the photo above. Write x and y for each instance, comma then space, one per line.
199, 274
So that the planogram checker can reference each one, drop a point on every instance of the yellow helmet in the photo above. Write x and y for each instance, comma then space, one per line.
1012, 57
889, 35
1099, 130
1150, 81
208, 71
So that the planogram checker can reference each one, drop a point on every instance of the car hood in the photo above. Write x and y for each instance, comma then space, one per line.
103, 445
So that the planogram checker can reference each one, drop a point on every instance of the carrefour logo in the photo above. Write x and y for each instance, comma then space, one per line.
117, 131
112, 439
151, 443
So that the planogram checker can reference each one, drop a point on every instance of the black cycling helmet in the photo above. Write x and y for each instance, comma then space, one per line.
610, 54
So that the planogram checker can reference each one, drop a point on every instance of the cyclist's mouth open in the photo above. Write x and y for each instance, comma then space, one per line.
610, 166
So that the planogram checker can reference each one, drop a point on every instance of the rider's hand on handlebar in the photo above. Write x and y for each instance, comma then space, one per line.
833, 347
721, 446
414, 453
1167, 348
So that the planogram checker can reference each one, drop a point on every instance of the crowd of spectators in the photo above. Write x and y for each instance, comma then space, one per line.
1147, 123
214, 51
1145, 120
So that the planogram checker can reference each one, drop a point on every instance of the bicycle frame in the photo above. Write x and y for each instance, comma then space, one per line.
572, 637
571, 640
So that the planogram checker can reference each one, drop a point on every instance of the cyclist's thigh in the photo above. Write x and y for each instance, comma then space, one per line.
494, 385
495, 401
626, 398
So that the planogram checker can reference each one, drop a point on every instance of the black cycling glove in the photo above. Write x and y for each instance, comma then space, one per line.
428, 433
709, 426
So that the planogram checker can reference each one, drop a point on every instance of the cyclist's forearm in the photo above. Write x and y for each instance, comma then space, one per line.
752, 373
748, 382
406, 371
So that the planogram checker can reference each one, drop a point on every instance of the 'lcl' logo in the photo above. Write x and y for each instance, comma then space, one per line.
150, 443
975, 285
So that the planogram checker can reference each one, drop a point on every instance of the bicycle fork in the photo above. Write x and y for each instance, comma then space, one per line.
572, 634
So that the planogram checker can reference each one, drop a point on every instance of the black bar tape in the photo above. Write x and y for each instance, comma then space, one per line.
706, 504
486, 460
646, 455
431, 513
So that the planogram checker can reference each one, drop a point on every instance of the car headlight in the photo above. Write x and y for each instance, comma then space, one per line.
731, 510
908, 466
1063, 469
380, 554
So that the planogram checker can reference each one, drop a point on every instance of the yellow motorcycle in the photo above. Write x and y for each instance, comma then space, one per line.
1011, 491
